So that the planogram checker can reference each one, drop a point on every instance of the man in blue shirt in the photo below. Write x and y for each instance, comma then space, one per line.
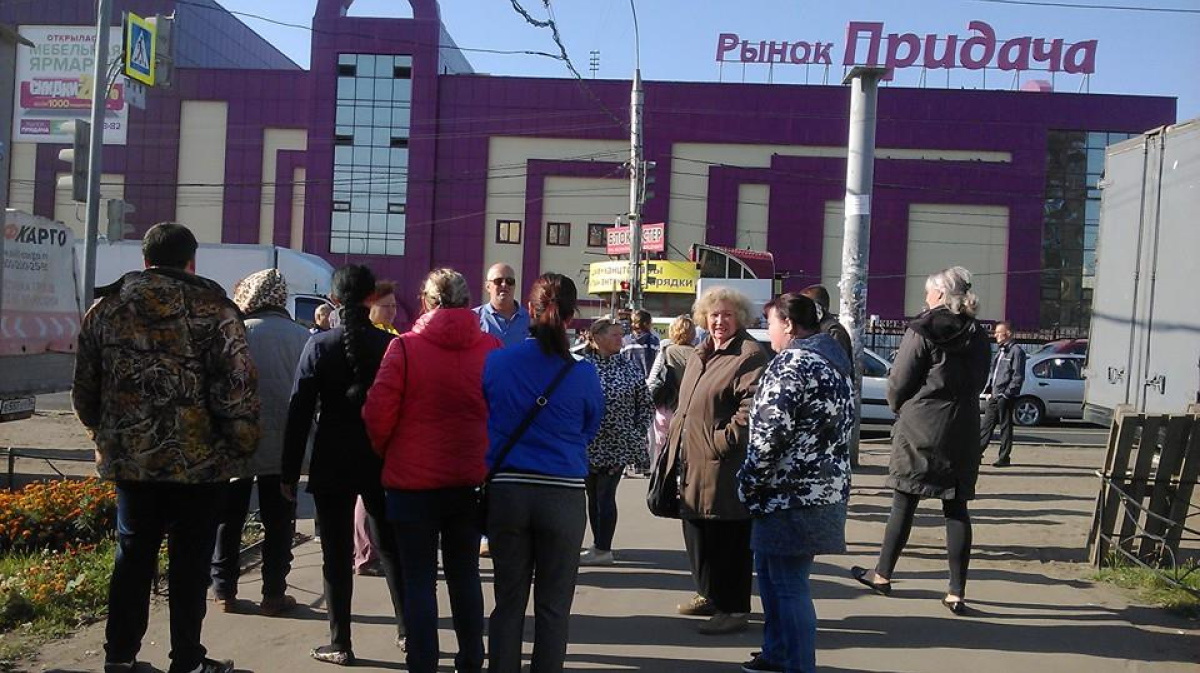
502, 316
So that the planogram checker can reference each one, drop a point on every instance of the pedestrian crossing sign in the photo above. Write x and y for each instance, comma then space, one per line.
139, 49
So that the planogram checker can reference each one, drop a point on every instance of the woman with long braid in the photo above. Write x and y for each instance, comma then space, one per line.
337, 368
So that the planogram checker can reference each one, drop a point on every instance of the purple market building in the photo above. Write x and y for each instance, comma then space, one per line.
391, 151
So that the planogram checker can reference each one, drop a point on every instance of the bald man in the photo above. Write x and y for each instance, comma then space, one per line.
502, 316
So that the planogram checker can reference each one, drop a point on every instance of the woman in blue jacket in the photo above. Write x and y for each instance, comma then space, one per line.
540, 480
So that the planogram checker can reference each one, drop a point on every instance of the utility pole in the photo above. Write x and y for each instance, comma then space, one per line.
856, 244
96, 149
636, 101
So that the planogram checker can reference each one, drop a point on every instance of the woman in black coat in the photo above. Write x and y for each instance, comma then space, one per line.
336, 369
934, 389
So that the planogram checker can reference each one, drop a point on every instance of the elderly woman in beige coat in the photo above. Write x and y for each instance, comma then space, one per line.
708, 437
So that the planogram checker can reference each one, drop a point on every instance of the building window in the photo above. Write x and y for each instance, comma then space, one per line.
1074, 165
558, 233
508, 231
597, 235
370, 161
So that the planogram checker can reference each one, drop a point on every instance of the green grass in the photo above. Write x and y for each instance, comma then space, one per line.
50, 595
1152, 588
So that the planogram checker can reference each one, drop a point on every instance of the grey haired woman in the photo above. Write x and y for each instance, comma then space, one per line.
934, 389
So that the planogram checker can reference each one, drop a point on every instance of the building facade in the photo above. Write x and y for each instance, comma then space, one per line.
390, 151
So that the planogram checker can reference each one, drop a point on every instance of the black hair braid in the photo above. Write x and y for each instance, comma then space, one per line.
352, 285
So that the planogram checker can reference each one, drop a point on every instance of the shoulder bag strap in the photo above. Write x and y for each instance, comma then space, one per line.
541, 402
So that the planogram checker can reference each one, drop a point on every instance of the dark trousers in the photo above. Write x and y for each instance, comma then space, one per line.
722, 563
958, 537
422, 519
279, 525
187, 515
337, 552
602, 508
534, 533
997, 412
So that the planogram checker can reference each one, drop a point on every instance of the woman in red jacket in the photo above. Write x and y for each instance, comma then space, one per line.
427, 418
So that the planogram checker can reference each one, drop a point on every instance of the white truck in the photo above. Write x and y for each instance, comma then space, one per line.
40, 305
1144, 345
308, 276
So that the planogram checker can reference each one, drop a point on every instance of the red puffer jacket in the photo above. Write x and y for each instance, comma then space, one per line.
425, 414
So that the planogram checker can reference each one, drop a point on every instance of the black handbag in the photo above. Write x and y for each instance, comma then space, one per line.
662, 496
539, 404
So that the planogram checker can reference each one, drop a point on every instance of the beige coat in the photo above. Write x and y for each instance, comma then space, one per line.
711, 426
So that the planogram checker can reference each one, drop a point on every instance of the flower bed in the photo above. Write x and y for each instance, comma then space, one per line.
57, 515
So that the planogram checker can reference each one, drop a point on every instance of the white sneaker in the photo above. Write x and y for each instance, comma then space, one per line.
596, 557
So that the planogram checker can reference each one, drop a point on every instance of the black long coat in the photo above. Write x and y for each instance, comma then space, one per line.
934, 389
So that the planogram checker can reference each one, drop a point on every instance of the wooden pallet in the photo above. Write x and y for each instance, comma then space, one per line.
1155, 461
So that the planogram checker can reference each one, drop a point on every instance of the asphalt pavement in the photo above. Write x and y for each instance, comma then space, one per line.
1033, 604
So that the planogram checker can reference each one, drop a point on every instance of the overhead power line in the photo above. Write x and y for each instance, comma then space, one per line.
1068, 5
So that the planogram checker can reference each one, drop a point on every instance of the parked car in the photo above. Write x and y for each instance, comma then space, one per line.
1053, 388
1064, 346
874, 386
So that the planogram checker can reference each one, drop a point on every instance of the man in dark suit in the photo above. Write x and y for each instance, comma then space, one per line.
1003, 388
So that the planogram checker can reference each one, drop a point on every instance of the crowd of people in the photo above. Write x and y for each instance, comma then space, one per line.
484, 420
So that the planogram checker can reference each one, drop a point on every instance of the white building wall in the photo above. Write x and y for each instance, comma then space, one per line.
21, 169
752, 216
939, 236
73, 213
508, 159
579, 202
202, 138
275, 140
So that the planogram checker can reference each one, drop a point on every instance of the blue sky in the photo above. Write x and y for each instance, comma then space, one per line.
1152, 53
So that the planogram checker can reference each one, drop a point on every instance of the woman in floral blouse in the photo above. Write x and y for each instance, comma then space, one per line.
796, 477
622, 437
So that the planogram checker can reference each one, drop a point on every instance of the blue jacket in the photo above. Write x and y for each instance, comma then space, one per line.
556, 444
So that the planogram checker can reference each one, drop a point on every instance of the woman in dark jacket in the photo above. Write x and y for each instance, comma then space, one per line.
336, 369
934, 389
708, 437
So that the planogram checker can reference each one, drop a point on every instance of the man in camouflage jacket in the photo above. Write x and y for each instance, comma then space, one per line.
165, 385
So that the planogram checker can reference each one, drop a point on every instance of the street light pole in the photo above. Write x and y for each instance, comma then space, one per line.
96, 149
636, 166
856, 244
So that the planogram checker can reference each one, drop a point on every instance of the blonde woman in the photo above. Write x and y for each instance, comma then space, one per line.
426, 416
665, 376
934, 389
708, 437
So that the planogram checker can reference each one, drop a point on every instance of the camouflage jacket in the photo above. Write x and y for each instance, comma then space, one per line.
164, 381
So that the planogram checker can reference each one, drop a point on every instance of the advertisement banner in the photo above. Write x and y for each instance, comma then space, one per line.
654, 239
54, 85
658, 276
39, 304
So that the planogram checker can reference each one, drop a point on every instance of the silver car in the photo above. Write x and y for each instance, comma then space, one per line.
874, 383
1053, 389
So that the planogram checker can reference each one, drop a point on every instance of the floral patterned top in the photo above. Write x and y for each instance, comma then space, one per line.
622, 439
799, 430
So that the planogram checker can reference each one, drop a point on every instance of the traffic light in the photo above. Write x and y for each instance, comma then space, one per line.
648, 178
78, 157
118, 213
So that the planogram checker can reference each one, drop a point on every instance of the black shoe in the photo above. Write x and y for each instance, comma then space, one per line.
881, 588
213, 666
958, 607
1002, 463
760, 665
332, 655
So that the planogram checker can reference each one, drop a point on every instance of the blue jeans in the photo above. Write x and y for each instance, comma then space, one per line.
187, 515
790, 629
421, 520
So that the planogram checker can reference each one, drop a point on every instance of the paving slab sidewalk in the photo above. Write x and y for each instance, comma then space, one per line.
1033, 606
